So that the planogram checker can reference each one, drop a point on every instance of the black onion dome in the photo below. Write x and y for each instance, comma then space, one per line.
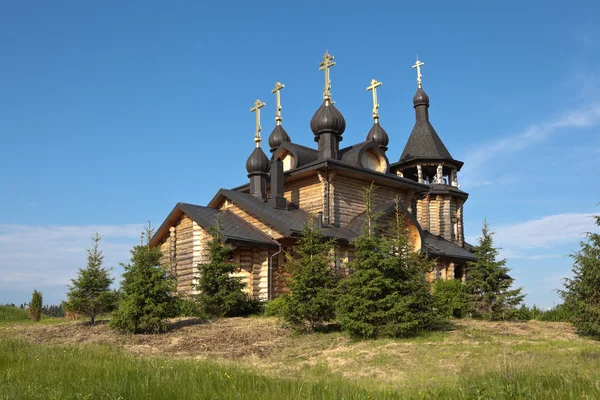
257, 163
420, 98
378, 135
328, 119
278, 136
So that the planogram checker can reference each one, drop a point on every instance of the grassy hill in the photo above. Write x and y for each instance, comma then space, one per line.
12, 314
257, 358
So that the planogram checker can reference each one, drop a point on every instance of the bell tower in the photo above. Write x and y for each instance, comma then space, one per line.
426, 160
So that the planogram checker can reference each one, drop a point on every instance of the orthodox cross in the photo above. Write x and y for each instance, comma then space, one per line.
257, 106
324, 66
373, 88
418, 66
278, 87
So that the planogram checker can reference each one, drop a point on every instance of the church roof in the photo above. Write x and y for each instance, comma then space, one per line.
351, 155
424, 143
235, 229
302, 155
286, 222
440, 247
365, 174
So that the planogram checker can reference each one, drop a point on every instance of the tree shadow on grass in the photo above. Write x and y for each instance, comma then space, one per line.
173, 326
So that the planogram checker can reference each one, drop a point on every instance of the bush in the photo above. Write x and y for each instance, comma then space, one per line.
187, 306
252, 306
559, 313
451, 298
276, 308
35, 306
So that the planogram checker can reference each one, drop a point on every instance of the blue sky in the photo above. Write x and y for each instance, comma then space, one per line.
112, 112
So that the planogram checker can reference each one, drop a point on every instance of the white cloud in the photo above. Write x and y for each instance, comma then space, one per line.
536, 133
546, 231
49, 256
531, 240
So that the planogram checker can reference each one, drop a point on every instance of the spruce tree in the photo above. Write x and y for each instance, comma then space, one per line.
582, 291
147, 291
221, 295
312, 282
488, 284
387, 293
35, 306
90, 292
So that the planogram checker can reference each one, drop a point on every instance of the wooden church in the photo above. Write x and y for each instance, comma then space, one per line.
262, 219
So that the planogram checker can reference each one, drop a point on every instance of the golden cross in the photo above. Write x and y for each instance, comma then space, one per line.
278, 87
418, 66
257, 106
373, 87
324, 66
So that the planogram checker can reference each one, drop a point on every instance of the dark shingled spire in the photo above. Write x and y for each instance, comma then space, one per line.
424, 142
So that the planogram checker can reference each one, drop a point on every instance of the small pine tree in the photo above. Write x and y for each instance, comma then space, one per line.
312, 282
488, 284
387, 294
221, 295
90, 292
582, 292
147, 291
35, 306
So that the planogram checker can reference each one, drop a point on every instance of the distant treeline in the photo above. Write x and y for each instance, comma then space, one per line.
48, 310
557, 313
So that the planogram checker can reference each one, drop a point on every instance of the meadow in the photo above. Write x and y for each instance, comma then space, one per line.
258, 358
12, 314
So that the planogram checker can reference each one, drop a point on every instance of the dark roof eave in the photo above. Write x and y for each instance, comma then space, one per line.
414, 160
250, 243
418, 187
435, 254
171, 218
436, 188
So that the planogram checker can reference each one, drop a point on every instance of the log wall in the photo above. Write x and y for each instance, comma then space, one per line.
306, 194
348, 201
446, 270
442, 215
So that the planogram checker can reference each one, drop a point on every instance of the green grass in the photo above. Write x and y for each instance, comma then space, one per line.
12, 314
32, 371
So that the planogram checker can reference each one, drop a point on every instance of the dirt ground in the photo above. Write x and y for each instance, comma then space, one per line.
264, 344
235, 338
229, 338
